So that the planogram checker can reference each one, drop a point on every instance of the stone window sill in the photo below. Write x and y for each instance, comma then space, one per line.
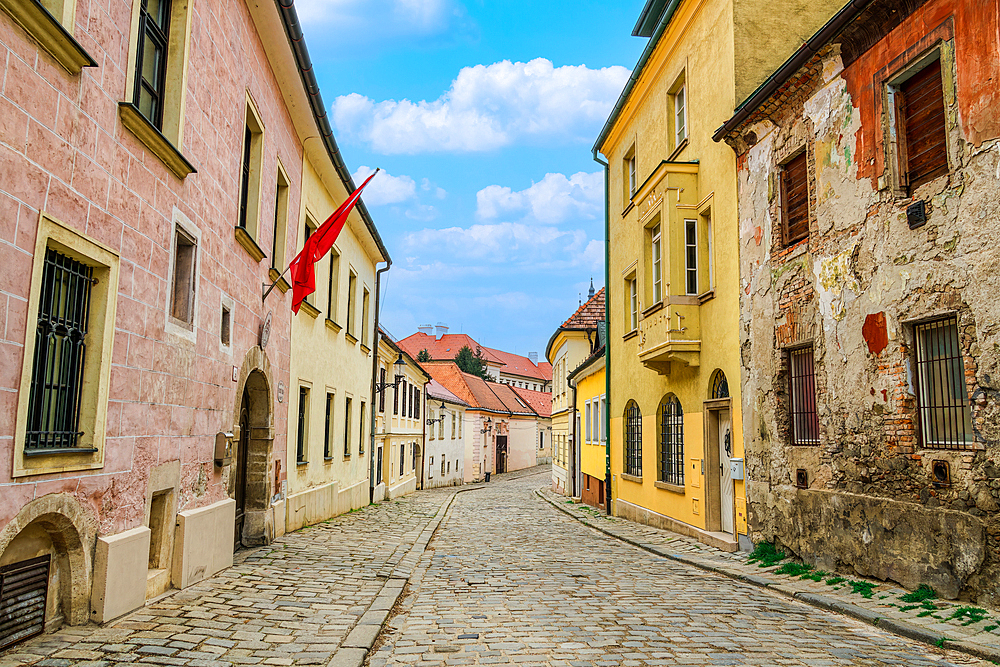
677, 151
50, 34
244, 239
365, 348
652, 309
631, 478
281, 283
706, 297
333, 326
631, 334
674, 488
309, 309
628, 208
350, 337
153, 139
300, 464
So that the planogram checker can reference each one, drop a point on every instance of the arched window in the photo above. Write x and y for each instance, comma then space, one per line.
719, 386
633, 439
671, 449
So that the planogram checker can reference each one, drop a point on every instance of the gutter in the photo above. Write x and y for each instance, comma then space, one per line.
607, 333
375, 340
286, 8
668, 14
781, 75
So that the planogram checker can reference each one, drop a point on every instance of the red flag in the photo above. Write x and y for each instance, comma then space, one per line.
316, 246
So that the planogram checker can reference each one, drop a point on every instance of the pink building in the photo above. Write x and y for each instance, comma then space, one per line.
150, 162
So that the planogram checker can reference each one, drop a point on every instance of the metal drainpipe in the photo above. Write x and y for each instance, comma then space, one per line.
572, 458
607, 337
375, 339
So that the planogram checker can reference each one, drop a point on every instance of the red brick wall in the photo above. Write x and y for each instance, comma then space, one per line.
64, 150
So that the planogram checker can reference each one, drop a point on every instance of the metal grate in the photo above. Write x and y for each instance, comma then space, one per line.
942, 398
805, 421
60, 350
23, 595
633, 439
720, 385
671, 441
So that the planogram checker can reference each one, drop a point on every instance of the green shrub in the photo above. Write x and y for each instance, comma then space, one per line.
925, 592
970, 614
863, 588
793, 569
833, 581
766, 555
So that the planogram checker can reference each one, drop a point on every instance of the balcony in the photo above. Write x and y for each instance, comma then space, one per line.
671, 335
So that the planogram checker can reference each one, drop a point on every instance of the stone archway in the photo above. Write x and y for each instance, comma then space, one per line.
58, 525
253, 425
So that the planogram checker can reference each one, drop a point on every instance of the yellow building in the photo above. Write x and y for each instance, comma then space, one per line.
572, 342
399, 422
589, 389
330, 394
676, 436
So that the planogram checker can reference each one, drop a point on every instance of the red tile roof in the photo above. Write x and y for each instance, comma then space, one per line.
477, 392
589, 315
435, 390
540, 401
448, 345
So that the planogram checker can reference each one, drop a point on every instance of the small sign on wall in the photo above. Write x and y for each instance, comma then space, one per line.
236, 373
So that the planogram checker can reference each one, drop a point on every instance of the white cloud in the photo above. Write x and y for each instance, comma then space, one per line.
487, 107
385, 188
550, 201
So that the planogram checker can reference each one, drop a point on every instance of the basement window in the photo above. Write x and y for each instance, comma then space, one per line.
802, 380
942, 396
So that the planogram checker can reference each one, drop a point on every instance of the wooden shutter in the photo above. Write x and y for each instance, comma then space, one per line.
23, 591
921, 110
795, 200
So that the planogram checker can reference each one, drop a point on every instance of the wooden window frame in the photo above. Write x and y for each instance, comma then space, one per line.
896, 104
787, 240
302, 436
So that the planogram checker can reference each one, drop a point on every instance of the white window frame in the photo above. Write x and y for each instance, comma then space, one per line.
680, 116
656, 258
690, 224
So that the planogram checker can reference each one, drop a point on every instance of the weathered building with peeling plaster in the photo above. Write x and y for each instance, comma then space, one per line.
869, 215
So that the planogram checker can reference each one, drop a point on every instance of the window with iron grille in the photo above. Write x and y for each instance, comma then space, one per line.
347, 427
300, 445
795, 200
633, 440
328, 428
920, 127
945, 417
151, 59
720, 385
671, 434
802, 381
60, 349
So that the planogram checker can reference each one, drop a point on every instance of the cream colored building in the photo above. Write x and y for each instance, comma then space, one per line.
444, 455
571, 343
399, 425
330, 393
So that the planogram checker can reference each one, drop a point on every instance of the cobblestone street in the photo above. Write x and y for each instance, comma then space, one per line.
504, 579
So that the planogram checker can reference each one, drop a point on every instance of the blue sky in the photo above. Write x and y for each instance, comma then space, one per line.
481, 116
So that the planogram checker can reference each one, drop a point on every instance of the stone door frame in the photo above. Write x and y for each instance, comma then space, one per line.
257, 380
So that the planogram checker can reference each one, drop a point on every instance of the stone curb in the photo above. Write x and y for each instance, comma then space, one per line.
902, 628
354, 650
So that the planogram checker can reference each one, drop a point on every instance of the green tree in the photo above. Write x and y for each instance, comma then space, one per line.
423, 355
471, 362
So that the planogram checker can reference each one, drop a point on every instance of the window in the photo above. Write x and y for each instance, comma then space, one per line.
182, 291
151, 59
604, 416
691, 255
250, 180
629, 175
442, 466
60, 350
416, 403
328, 428
460, 418
308, 230
361, 420
347, 426
671, 434
795, 200
396, 391
333, 286
680, 116
381, 394
378, 467
656, 250
922, 147
402, 458
364, 316
352, 282
802, 376
225, 326
633, 440
586, 408
302, 442
631, 304
453, 426
280, 221
942, 397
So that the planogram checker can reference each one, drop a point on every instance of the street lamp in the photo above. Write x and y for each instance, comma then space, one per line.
488, 427
397, 368
431, 422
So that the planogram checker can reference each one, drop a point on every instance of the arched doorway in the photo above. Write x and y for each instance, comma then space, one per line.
250, 481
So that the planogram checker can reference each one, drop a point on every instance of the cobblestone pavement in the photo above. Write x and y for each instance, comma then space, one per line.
508, 579
290, 603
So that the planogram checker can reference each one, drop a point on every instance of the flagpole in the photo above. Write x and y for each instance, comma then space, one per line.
264, 286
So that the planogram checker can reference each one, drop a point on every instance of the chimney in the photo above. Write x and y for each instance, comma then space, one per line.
427, 329
442, 329
534, 357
